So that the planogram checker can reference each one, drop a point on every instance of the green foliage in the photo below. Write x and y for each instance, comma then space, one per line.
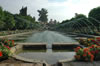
5, 51
43, 15
29, 18
95, 13
23, 11
21, 23
5, 46
9, 20
2, 25
77, 16
94, 17
1, 14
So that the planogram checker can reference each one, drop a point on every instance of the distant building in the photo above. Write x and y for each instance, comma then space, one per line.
53, 22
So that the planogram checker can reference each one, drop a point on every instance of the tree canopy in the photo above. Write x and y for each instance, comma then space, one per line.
17, 21
95, 13
43, 15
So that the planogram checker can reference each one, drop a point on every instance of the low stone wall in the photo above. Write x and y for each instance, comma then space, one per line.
64, 46
77, 38
33, 46
14, 35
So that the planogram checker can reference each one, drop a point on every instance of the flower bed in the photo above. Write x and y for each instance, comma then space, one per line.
90, 53
5, 46
90, 41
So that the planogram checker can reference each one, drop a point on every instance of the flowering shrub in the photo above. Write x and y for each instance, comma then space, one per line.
88, 54
7, 42
5, 46
90, 41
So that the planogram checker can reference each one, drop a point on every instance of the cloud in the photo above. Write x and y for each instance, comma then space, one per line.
57, 9
57, 0
67, 9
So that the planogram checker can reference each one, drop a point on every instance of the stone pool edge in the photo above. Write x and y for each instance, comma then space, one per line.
17, 48
20, 46
60, 62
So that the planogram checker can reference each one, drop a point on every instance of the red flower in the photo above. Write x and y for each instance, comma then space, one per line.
89, 53
97, 51
76, 49
90, 47
93, 40
5, 41
86, 50
93, 52
7, 46
84, 55
98, 38
0, 53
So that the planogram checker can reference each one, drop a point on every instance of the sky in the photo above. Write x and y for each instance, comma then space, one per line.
57, 9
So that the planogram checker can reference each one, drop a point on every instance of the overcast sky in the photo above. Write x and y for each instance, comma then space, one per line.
57, 9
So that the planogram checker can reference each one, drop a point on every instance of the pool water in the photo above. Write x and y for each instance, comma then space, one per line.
49, 56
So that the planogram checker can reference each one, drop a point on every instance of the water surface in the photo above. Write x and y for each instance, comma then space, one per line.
49, 56
49, 37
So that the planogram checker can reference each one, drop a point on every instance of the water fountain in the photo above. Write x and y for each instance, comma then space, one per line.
48, 55
81, 26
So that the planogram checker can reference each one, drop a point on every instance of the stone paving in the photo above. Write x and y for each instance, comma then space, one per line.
20, 64
95, 63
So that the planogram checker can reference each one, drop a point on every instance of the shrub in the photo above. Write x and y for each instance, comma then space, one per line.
90, 41
7, 42
5, 46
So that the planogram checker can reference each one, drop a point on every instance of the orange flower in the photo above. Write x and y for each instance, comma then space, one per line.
89, 53
76, 49
86, 50
13, 42
92, 58
0, 53
93, 46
